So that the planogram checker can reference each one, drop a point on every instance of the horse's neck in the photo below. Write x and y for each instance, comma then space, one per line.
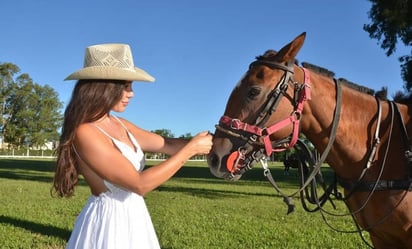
357, 120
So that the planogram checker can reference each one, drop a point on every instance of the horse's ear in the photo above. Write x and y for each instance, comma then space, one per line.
289, 52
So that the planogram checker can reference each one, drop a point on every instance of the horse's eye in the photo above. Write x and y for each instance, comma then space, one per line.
253, 92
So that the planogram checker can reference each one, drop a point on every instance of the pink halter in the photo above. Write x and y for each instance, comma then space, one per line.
294, 119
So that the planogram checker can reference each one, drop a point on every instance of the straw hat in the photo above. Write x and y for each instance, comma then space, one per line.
110, 61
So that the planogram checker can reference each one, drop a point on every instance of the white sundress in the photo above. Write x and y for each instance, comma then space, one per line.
118, 218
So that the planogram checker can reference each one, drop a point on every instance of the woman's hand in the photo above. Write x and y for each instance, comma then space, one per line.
200, 144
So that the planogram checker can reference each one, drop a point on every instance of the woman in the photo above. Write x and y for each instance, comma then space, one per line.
108, 152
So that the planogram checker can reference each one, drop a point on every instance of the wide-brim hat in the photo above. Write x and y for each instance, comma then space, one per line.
112, 61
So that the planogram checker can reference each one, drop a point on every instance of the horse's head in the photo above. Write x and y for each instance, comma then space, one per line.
262, 114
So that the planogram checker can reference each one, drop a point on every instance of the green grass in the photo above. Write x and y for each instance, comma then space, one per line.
192, 210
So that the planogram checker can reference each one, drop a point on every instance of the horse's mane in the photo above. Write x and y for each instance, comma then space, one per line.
358, 87
399, 96
330, 74
318, 69
381, 94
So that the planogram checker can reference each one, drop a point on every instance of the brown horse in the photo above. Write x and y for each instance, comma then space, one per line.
362, 138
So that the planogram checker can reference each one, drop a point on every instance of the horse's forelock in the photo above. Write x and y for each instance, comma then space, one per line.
267, 55
270, 55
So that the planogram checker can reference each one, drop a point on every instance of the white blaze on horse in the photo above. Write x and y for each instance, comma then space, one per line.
363, 139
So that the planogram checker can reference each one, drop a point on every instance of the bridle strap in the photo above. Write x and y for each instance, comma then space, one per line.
266, 132
236, 124
273, 65
332, 136
295, 117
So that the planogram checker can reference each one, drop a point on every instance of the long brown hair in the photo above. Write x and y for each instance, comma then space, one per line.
90, 101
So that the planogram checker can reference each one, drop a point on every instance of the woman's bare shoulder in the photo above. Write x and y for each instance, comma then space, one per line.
86, 130
88, 133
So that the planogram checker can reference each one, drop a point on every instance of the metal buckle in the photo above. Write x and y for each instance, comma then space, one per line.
235, 124
264, 163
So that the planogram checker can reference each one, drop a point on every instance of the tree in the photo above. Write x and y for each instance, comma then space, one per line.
164, 133
186, 136
31, 112
392, 21
7, 72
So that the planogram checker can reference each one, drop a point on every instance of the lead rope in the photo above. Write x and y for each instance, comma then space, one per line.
268, 175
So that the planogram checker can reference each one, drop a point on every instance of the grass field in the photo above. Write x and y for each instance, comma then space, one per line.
192, 210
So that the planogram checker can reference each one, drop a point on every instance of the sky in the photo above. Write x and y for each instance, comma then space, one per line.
196, 49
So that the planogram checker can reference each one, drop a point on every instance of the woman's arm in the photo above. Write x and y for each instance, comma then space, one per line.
101, 156
152, 142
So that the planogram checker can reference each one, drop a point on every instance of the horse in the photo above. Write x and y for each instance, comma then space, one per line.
362, 138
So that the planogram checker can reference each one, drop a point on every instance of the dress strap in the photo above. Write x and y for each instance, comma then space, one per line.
121, 123
104, 132
132, 138
77, 154
129, 134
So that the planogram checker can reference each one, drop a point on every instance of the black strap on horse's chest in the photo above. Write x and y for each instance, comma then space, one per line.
381, 185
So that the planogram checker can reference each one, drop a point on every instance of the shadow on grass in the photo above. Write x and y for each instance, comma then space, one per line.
32, 165
42, 170
30, 170
254, 175
33, 170
212, 193
47, 230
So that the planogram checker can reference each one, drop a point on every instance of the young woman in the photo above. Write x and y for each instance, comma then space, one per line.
108, 152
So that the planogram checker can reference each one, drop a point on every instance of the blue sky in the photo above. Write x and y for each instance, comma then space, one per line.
196, 49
